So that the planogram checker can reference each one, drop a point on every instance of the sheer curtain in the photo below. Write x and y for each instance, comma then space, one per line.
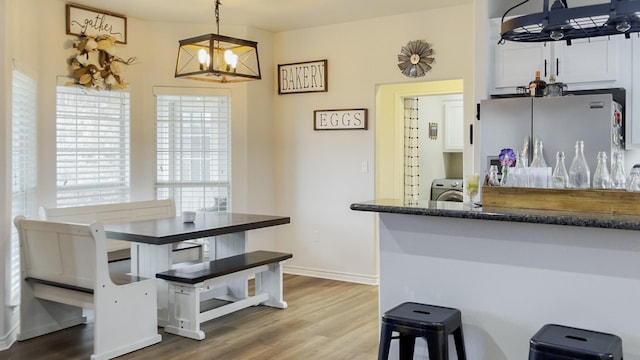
411, 156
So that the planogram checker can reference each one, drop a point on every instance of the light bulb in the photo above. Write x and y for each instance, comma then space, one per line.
230, 58
623, 26
556, 35
202, 56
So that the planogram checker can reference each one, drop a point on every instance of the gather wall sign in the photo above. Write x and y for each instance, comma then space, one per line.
88, 21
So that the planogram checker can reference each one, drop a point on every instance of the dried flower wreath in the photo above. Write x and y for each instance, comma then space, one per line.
95, 64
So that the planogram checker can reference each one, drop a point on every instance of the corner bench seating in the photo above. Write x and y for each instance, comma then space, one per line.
121, 212
186, 283
64, 268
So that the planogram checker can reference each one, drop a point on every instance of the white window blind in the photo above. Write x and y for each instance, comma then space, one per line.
193, 151
92, 135
23, 172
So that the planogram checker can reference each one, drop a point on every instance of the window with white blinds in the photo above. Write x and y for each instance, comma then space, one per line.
23, 167
92, 136
193, 164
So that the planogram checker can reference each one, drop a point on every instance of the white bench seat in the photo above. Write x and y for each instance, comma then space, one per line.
188, 282
64, 267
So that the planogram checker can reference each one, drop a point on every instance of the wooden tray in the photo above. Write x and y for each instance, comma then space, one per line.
587, 200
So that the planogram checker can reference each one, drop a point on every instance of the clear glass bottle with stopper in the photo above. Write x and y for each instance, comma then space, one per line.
538, 157
579, 173
618, 178
560, 177
601, 178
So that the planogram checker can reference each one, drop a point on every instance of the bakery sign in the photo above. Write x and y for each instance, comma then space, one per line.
305, 77
83, 20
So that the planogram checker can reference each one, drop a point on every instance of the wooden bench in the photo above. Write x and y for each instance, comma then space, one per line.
64, 268
120, 212
186, 284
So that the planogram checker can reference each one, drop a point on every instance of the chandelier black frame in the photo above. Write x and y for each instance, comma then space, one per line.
559, 22
218, 58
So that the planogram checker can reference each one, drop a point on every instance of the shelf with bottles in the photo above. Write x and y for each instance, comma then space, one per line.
608, 201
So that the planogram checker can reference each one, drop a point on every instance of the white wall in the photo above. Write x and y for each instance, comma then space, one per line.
318, 172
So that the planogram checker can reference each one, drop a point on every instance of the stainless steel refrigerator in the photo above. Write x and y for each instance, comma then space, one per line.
557, 121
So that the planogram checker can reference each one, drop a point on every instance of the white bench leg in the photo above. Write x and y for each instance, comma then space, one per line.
270, 282
184, 311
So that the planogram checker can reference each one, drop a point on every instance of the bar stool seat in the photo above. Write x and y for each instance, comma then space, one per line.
433, 323
558, 342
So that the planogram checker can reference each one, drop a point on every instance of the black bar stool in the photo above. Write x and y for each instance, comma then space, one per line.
558, 342
433, 323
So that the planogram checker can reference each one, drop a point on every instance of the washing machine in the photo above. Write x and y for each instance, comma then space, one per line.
446, 190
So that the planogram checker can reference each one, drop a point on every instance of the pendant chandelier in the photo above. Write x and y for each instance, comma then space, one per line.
559, 22
218, 58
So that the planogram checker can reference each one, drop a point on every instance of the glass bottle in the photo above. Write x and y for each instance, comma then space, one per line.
519, 176
537, 87
560, 177
618, 179
633, 184
579, 173
601, 178
492, 179
538, 157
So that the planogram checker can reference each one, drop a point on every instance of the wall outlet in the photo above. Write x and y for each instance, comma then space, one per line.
316, 236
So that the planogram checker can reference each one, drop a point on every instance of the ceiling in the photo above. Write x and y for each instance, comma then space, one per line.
272, 15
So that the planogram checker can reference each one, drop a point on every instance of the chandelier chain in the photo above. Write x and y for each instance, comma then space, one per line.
218, 16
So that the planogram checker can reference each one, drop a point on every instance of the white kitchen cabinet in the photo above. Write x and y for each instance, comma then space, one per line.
453, 126
585, 64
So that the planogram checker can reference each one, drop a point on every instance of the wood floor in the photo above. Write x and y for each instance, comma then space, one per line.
326, 319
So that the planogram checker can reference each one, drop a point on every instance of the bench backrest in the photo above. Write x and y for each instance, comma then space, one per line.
71, 254
111, 213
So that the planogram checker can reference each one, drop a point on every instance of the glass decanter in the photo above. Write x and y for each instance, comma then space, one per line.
601, 178
579, 173
560, 177
618, 178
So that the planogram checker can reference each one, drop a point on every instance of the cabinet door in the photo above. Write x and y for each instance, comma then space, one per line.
586, 60
453, 126
516, 63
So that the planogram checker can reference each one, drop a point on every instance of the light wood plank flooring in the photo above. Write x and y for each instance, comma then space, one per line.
326, 319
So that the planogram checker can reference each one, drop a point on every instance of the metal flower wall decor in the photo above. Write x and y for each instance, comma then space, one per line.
95, 64
415, 58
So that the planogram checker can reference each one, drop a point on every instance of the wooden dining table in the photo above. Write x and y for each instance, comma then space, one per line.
152, 242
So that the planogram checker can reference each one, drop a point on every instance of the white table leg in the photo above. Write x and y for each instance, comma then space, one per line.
146, 261
228, 245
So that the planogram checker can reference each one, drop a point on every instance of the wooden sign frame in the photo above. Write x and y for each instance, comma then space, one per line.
304, 77
82, 20
341, 119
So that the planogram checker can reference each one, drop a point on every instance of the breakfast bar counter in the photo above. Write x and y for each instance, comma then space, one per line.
511, 271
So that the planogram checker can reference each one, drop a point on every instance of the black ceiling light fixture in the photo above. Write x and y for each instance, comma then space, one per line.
560, 22
218, 58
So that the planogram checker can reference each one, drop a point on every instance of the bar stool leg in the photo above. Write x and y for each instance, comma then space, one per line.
438, 346
407, 345
385, 342
459, 341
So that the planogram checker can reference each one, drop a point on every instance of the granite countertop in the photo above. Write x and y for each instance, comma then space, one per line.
469, 211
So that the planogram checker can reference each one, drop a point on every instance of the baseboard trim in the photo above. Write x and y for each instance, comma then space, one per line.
331, 275
10, 338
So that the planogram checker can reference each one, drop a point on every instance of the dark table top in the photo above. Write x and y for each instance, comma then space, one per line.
171, 230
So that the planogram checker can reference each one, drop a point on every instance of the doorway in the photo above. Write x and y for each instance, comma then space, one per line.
391, 164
